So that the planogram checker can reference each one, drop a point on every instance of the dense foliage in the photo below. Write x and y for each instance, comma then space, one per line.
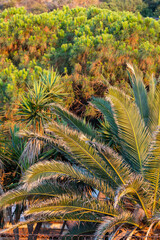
149, 8
89, 47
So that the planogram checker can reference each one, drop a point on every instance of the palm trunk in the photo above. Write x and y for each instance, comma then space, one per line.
36, 230
16, 233
3, 212
34, 234
30, 231
63, 226
17, 217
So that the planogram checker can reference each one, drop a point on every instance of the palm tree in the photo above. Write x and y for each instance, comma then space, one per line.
112, 176
35, 110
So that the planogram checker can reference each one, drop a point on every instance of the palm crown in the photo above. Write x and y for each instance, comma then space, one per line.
120, 162
34, 107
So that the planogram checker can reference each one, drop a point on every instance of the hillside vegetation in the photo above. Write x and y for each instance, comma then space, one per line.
145, 7
88, 47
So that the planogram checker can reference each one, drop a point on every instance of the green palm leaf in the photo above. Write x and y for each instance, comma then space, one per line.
72, 207
33, 107
154, 103
47, 170
11, 150
44, 190
75, 122
51, 141
138, 189
133, 134
152, 167
85, 154
106, 109
140, 92
108, 225
53, 85
115, 163
13, 196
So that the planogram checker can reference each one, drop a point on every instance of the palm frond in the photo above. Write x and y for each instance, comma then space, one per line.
44, 190
132, 131
53, 85
13, 148
140, 92
138, 190
85, 154
31, 152
152, 167
51, 141
75, 122
14, 196
48, 170
107, 136
108, 127
154, 104
152, 89
114, 163
32, 108
74, 207
109, 224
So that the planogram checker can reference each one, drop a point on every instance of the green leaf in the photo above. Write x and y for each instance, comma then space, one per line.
85, 154
72, 207
134, 136
140, 92
75, 122
154, 103
108, 225
48, 170
114, 163
109, 128
44, 190
138, 190
152, 167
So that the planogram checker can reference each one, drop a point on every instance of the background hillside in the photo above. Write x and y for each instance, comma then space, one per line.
146, 7
88, 47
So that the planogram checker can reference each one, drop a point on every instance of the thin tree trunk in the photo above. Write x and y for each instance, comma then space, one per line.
16, 233
36, 230
63, 226
34, 234
16, 230
3, 213
30, 231
17, 217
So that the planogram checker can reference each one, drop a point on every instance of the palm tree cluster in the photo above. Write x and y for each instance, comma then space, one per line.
110, 177
16, 153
